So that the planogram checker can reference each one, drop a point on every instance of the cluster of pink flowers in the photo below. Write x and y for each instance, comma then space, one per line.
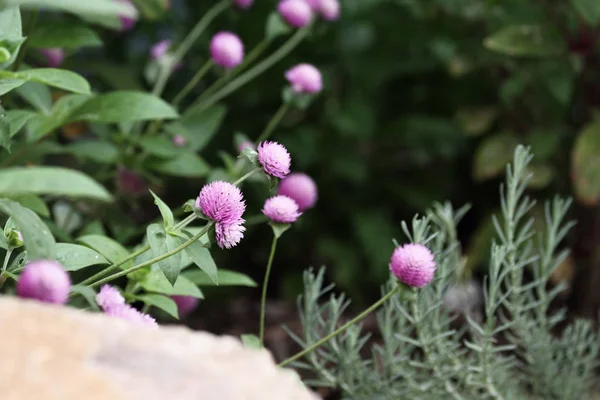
112, 303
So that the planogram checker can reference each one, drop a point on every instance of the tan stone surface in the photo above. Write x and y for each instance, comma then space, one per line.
59, 353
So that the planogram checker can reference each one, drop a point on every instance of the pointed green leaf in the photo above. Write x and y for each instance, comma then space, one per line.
185, 164
88, 293
37, 95
492, 155
201, 256
279, 229
165, 303
526, 40
585, 164
162, 243
107, 247
8, 84
589, 10
198, 125
251, 341
64, 35
17, 119
225, 277
276, 26
33, 202
165, 211
155, 281
58, 78
75, 257
100, 8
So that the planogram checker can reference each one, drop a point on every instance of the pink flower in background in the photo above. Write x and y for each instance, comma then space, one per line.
179, 140
281, 209
305, 78
159, 49
413, 264
274, 159
222, 202
54, 57
109, 297
297, 13
127, 23
112, 303
329, 9
185, 304
130, 182
226, 49
301, 188
229, 235
243, 4
46, 281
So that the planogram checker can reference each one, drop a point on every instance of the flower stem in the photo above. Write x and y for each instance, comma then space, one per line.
273, 123
248, 175
188, 220
263, 299
4, 265
341, 329
176, 250
193, 82
258, 68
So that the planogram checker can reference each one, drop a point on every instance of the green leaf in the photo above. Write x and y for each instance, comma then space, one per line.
33, 202
58, 78
589, 10
279, 229
64, 35
101, 8
159, 301
155, 281
108, 248
542, 175
162, 243
8, 84
88, 294
17, 119
124, 106
526, 40
492, 155
585, 163
198, 125
165, 211
276, 26
186, 164
475, 121
100, 151
4, 130
152, 9
10, 23
38, 240
201, 256
37, 95
159, 146
225, 277
251, 341
75, 257
56, 181
41, 125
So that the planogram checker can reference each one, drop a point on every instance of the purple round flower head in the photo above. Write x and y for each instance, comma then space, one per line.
127, 23
300, 188
305, 78
54, 57
222, 202
329, 9
297, 13
314, 4
229, 235
274, 159
130, 314
44, 280
159, 49
185, 304
413, 264
130, 182
245, 145
109, 297
226, 49
179, 140
281, 209
243, 4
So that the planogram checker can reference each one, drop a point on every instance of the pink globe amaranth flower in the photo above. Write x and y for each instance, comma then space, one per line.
222, 202
305, 78
297, 13
229, 235
243, 4
44, 280
281, 209
109, 297
185, 304
179, 140
226, 49
413, 264
127, 23
274, 159
130, 182
54, 57
159, 49
329, 9
300, 188
130, 314
245, 145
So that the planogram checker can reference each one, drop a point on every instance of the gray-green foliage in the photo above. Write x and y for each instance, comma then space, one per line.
513, 351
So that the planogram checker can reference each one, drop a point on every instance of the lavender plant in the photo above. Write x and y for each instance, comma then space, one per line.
514, 351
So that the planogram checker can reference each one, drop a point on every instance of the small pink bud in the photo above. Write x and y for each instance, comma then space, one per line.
159, 49
413, 264
179, 140
127, 23
54, 57
185, 304
243, 4
305, 78
301, 188
226, 49
329, 9
281, 209
297, 13
44, 280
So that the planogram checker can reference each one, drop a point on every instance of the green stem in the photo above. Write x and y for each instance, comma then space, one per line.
115, 266
258, 68
263, 299
24, 46
340, 329
188, 220
193, 82
155, 259
249, 174
4, 265
273, 123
